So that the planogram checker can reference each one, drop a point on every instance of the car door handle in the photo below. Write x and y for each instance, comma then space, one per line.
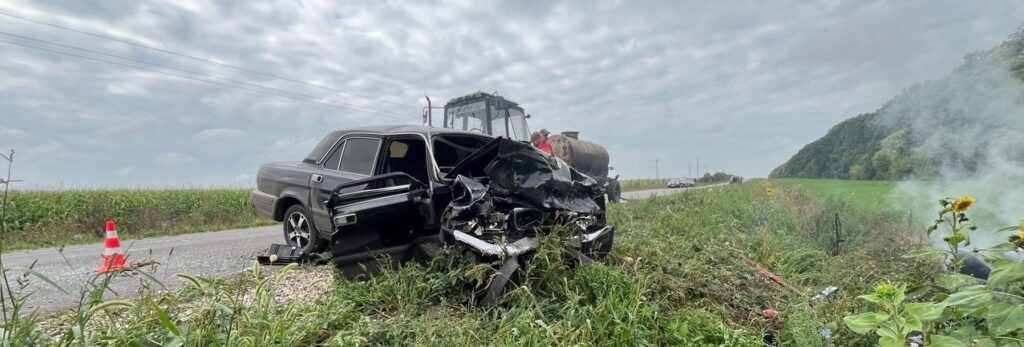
345, 219
317, 178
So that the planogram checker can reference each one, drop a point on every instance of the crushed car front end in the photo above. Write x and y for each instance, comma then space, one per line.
508, 195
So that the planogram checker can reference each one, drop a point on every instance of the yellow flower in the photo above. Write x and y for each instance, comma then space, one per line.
1020, 234
962, 204
771, 192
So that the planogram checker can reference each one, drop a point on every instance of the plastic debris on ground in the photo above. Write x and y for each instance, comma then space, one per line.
279, 254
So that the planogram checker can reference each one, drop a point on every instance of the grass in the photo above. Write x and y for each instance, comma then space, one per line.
675, 278
862, 194
54, 218
642, 184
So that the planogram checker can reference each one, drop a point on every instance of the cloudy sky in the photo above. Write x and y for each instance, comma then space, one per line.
740, 85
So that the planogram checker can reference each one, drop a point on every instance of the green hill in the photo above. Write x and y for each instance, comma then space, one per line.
951, 127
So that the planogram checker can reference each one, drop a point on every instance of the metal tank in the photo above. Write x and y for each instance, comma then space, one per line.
587, 157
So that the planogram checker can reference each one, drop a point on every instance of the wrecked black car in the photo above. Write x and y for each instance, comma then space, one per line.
420, 188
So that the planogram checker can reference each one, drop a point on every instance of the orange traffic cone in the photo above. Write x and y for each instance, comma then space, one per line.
113, 259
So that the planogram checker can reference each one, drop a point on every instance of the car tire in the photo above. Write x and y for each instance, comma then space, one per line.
299, 230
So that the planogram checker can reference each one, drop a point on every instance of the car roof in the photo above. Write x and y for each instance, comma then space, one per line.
330, 139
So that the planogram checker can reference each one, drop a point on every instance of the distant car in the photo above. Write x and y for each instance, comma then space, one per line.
735, 179
680, 183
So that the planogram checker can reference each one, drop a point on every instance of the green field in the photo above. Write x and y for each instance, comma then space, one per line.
676, 277
643, 184
56, 218
863, 194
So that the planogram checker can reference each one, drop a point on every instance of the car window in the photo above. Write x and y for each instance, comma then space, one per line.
359, 155
335, 158
451, 149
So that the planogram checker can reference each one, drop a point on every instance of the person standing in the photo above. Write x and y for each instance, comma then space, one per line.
543, 143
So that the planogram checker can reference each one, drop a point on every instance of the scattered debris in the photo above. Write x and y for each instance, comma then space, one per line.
825, 293
770, 275
279, 254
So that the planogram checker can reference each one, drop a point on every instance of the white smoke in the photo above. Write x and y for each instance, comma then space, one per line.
969, 135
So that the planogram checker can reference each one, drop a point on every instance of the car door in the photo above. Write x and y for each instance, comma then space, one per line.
380, 218
352, 159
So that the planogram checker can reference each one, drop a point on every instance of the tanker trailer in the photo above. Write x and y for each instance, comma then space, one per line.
587, 157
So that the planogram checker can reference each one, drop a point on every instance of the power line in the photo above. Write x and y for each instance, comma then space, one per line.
239, 68
389, 114
163, 66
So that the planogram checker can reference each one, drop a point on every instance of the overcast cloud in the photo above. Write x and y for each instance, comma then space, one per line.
741, 85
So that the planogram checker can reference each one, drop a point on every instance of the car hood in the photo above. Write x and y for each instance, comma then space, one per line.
517, 170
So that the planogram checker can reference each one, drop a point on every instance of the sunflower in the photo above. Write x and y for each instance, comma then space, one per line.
1020, 234
771, 192
962, 204
886, 290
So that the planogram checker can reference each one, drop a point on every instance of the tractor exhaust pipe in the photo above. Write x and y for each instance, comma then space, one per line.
428, 113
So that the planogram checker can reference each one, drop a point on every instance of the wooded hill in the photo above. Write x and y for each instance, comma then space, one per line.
951, 127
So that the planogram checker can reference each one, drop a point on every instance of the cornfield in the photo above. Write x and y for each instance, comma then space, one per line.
55, 218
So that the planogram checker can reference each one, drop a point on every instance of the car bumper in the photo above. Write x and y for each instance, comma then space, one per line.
519, 247
264, 203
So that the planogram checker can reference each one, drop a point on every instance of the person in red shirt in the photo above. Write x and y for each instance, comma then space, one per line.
540, 140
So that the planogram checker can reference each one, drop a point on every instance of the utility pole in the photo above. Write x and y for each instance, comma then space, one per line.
698, 166
656, 174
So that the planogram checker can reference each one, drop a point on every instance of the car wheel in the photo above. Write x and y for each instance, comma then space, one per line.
299, 230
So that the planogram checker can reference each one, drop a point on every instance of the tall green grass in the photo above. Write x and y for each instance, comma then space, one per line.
675, 278
54, 218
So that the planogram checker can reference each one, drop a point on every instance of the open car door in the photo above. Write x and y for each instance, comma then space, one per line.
379, 222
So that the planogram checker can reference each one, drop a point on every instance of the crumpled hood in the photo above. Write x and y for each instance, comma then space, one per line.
518, 172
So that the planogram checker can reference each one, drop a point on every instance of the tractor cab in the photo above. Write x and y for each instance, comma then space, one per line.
487, 114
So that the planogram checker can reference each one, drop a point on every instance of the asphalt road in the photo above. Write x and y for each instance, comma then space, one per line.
643, 194
222, 253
